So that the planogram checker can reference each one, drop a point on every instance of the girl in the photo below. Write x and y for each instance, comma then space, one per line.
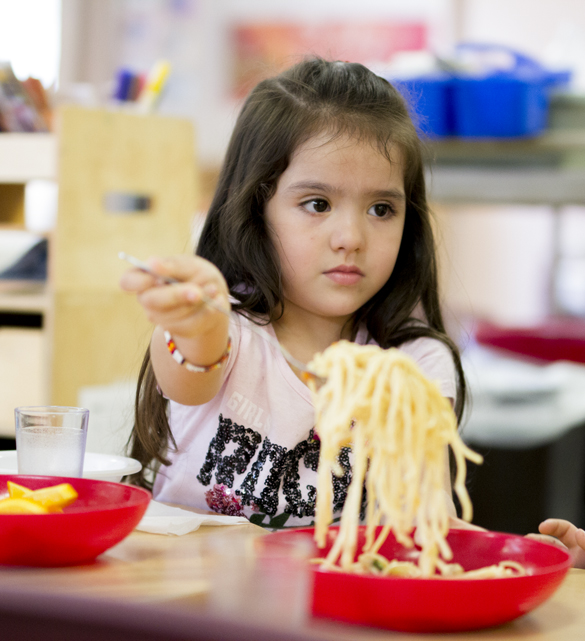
319, 230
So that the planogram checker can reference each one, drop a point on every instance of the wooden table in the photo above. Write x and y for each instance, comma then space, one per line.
154, 587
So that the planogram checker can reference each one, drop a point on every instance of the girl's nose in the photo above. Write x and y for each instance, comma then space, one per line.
348, 231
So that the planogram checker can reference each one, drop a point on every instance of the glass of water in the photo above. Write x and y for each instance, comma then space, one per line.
50, 440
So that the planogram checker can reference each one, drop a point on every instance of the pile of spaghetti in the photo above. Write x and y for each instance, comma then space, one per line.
398, 426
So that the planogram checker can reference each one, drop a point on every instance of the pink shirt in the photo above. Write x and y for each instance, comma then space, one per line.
251, 450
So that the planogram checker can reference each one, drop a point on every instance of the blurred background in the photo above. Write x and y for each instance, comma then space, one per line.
497, 89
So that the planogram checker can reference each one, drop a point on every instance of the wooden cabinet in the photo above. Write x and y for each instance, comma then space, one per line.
126, 183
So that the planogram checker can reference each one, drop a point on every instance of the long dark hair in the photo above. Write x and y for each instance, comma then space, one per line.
281, 113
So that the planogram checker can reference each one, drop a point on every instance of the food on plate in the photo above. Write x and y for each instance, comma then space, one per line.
16, 491
375, 563
398, 426
21, 506
46, 500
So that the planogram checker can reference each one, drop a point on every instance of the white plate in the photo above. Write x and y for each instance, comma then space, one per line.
104, 467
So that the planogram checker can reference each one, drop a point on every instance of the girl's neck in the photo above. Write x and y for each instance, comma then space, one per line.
304, 334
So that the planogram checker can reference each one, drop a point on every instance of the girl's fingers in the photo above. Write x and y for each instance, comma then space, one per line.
186, 305
184, 268
558, 528
170, 297
568, 534
572, 536
546, 538
136, 281
180, 303
580, 538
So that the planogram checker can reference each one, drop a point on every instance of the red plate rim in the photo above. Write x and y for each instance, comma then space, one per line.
138, 495
564, 563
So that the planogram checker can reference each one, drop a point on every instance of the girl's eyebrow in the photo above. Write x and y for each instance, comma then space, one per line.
396, 194
308, 185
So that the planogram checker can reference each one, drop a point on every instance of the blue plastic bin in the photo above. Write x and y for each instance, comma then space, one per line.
503, 104
430, 103
496, 104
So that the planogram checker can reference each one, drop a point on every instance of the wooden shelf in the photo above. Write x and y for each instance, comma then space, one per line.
27, 297
547, 169
561, 140
25, 157
506, 186
93, 334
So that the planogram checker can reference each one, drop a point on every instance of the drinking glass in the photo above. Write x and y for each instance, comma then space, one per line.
50, 440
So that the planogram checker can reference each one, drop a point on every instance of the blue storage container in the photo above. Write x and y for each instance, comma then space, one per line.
497, 103
430, 103
503, 103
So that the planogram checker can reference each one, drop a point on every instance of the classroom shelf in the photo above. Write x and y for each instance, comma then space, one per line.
25, 157
92, 334
507, 186
24, 297
545, 170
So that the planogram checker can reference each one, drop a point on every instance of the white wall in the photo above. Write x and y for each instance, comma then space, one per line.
529, 25
30, 33
496, 262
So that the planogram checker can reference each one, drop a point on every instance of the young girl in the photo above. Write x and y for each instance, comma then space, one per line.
319, 230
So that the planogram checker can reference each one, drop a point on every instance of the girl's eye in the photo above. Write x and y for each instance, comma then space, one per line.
316, 205
381, 210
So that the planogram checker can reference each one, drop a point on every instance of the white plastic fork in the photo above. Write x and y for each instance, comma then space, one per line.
295, 362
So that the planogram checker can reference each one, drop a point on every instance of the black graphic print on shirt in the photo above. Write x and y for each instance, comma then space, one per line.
282, 478
226, 466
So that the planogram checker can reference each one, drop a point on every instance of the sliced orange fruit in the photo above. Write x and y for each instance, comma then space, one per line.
50, 499
53, 498
21, 506
17, 491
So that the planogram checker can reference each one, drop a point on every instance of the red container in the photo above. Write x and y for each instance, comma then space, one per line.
558, 339
103, 514
442, 604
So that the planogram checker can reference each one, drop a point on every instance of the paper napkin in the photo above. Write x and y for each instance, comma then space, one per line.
166, 519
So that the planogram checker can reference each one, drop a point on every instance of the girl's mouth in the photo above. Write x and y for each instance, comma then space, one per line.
345, 275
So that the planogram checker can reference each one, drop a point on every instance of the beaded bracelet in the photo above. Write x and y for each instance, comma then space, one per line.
177, 356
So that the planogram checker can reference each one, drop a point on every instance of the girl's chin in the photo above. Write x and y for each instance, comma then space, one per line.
334, 305
342, 313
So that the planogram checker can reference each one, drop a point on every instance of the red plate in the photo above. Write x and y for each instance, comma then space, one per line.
441, 605
102, 515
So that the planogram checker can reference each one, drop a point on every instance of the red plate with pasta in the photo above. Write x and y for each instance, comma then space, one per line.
441, 604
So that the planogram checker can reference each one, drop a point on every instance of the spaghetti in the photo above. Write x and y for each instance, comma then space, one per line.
399, 426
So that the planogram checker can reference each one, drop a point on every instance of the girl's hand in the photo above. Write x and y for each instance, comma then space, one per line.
178, 307
199, 331
567, 534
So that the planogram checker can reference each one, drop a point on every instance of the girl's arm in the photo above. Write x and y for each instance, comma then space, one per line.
199, 332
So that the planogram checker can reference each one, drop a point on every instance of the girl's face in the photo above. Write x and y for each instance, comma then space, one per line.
336, 221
